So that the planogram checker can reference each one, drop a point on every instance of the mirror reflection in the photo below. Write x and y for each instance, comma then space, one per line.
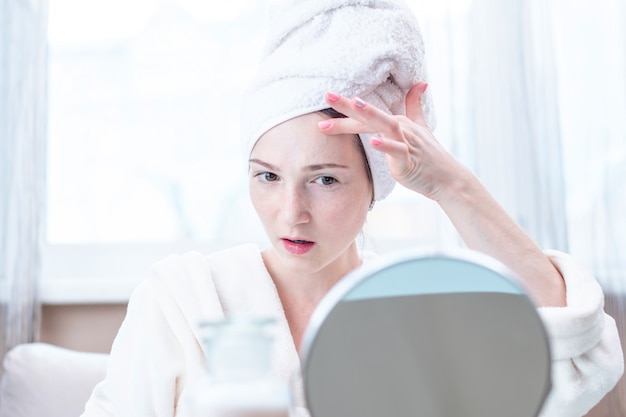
432, 335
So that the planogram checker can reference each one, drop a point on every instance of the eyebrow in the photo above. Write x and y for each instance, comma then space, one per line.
313, 167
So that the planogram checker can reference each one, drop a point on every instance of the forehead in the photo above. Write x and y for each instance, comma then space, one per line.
301, 136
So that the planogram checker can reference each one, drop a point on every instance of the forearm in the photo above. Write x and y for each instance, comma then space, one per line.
484, 226
418, 161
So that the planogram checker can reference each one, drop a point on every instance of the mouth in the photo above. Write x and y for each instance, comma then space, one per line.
297, 246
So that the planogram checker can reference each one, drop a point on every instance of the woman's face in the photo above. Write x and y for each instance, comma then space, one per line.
312, 193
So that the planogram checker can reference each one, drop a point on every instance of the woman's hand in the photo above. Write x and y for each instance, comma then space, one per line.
417, 161
415, 158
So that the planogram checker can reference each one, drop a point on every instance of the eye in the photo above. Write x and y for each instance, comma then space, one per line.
267, 176
325, 180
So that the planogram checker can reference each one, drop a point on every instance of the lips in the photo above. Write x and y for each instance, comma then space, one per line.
297, 246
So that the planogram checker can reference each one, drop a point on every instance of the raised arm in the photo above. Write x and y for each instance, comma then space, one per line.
419, 162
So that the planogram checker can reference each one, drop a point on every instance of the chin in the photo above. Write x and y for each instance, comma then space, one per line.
307, 263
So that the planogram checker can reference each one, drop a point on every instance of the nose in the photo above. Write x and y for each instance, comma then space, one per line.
295, 205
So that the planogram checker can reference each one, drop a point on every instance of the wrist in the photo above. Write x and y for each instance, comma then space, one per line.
464, 188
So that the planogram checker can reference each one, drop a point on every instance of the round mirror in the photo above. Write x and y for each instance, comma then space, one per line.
426, 333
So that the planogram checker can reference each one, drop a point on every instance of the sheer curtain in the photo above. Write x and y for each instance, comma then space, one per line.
531, 94
22, 149
494, 78
591, 56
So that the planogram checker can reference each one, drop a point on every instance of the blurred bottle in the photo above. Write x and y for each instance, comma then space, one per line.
240, 379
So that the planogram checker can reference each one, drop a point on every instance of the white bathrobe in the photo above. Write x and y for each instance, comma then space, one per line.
156, 353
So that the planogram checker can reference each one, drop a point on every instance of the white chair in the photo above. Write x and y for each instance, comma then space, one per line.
40, 380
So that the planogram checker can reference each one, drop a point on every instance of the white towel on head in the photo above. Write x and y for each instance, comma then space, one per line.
372, 49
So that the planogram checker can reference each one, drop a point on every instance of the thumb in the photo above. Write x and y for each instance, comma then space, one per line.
413, 102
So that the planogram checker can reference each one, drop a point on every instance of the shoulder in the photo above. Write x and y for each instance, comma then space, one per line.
243, 259
243, 282
246, 252
210, 284
194, 267
179, 273
187, 282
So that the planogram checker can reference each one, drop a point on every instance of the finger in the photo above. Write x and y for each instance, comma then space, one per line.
372, 117
414, 106
343, 126
395, 149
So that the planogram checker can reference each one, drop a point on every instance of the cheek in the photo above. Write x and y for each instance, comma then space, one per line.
259, 200
347, 215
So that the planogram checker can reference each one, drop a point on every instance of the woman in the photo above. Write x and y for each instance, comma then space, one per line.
313, 178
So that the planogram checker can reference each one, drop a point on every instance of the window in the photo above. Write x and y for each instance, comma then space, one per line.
143, 126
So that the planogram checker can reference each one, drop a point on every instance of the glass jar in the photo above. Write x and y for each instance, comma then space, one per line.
240, 379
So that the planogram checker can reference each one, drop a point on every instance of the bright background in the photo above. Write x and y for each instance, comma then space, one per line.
143, 153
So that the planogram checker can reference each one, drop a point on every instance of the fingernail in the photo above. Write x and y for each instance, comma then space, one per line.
375, 140
324, 124
424, 88
333, 97
359, 103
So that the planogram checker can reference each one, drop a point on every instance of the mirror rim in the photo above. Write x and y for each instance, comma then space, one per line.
339, 291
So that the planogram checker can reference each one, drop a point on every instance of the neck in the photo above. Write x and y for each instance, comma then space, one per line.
301, 292
310, 286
